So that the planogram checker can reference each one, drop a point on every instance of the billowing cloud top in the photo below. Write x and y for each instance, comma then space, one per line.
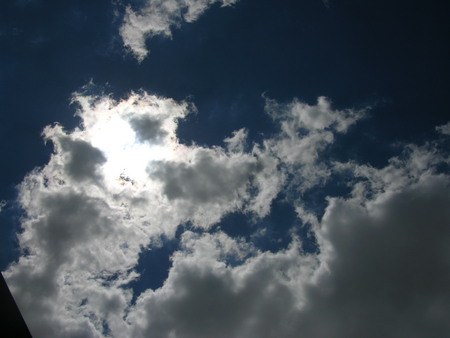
121, 181
157, 17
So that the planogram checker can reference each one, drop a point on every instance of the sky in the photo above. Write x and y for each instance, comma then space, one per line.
226, 168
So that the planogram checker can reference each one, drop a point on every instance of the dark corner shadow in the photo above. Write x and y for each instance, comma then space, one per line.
12, 322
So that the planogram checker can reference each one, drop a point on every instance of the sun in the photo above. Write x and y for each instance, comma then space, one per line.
127, 158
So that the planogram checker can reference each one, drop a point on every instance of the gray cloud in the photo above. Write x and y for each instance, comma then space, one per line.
208, 179
306, 131
63, 223
148, 129
382, 270
387, 267
203, 297
82, 159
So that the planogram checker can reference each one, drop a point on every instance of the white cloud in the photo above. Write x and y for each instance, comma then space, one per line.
205, 297
158, 17
300, 115
401, 171
444, 129
70, 239
120, 180
86, 215
306, 131
237, 142
111, 187
269, 181
207, 185
382, 269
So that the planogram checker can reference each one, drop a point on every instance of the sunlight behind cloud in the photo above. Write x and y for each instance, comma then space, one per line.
121, 183
131, 133
307, 196
126, 156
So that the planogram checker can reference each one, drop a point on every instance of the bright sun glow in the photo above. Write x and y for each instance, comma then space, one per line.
127, 158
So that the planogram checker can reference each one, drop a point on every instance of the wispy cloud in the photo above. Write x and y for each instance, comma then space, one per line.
159, 17
444, 129
3, 204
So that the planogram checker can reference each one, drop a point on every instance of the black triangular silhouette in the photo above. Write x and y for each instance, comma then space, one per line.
12, 323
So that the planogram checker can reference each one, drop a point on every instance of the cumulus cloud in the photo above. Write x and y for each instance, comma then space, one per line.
70, 241
385, 265
206, 297
112, 186
158, 17
80, 159
382, 270
207, 183
384, 261
86, 219
209, 178
121, 180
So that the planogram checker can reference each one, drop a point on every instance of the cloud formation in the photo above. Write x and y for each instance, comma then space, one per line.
382, 270
444, 129
306, 131
158, 17
384, 260
121, 181
147, 129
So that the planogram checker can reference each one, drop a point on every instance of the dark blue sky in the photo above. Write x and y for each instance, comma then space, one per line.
390, 56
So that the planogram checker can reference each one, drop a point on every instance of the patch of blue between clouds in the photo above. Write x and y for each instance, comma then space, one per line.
271, 233
106, 331
338, 185
274, 232
154, 264
9, 244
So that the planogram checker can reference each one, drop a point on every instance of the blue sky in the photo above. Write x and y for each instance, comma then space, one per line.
226, 168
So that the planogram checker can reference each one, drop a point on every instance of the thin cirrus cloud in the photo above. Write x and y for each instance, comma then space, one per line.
101, 199
158, 17
444, 129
